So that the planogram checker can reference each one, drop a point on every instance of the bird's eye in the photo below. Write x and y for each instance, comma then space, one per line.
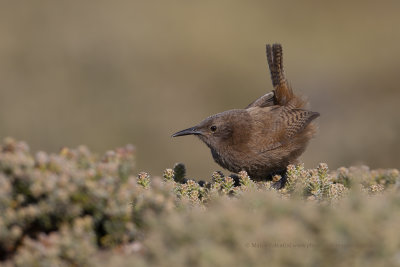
213, 128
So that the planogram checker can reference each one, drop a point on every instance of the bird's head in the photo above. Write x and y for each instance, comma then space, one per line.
224, 128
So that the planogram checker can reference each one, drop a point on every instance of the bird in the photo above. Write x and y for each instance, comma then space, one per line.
267, 135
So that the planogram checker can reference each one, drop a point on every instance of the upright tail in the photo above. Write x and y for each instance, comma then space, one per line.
283, 93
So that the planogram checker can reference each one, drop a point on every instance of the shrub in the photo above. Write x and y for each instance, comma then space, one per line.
74, 208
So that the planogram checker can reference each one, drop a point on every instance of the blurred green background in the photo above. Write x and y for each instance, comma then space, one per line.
107, 73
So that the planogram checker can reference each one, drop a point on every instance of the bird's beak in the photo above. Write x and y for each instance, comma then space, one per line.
188, 131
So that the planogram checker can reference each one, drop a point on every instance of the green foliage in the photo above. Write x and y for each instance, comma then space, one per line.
76, 209
179, 172
44, 197
169, 175
144, 179
71, 245
262, 227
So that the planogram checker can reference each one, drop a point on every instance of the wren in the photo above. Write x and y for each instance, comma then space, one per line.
267, 135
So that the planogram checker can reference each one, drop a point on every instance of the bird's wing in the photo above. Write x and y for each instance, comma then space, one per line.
295, 120
266, 100
290, 123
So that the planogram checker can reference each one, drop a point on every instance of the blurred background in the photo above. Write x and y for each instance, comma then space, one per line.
108, 73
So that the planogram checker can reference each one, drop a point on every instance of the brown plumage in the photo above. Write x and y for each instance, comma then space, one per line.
266, 136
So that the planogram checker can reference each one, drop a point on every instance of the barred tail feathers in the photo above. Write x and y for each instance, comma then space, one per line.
284, 95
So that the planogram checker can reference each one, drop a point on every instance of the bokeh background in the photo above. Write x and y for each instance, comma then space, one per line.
108, 73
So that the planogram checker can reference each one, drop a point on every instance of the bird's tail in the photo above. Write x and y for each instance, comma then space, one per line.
283, 93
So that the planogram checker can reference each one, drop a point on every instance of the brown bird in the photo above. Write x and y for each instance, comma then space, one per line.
266, 136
